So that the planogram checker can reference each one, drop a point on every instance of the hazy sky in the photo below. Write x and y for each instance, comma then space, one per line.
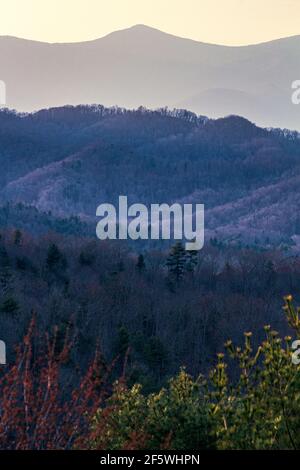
232, 22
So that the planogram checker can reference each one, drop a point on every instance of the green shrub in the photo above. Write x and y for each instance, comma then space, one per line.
177, 417
261, 410
258, 410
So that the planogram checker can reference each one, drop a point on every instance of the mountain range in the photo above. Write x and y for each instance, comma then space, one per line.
144, 66
66, 161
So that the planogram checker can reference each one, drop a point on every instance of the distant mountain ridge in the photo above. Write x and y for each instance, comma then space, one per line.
144, 66
66, 161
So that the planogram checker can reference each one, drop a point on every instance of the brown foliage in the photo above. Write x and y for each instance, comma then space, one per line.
38, 410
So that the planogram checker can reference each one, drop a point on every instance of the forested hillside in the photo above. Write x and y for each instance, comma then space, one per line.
69, 160
169, 309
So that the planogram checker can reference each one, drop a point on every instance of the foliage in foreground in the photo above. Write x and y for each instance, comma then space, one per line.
258, 409
176, 417
39, 408
262, 411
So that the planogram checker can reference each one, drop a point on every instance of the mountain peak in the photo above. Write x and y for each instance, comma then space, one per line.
143, 27
140, 29
146, 29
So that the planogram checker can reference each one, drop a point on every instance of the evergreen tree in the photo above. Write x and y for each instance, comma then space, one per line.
141, 263
191, 260
55, 259
10, 305
176, 261
4, 258
18, 237
5, 272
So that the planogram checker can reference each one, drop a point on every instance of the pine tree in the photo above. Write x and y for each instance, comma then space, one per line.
141, 263
5, 272
176, 261
191, 260
10, 305
55, 259
18, 237
4, 258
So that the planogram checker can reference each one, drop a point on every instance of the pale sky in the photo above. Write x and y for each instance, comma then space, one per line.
231, 22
